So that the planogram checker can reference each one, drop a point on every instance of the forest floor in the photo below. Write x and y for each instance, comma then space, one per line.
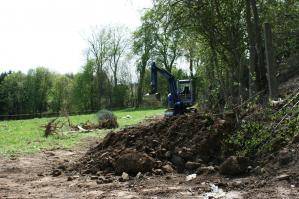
30, 177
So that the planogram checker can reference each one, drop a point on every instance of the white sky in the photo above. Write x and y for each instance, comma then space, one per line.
50, 33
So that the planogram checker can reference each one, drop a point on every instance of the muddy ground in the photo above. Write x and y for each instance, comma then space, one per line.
31, 177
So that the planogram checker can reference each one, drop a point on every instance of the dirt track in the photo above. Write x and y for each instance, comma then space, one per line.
30, 177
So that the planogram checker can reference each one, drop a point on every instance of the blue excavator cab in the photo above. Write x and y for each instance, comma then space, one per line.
185, 91
180, 95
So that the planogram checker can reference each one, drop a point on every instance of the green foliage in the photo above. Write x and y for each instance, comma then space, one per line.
143, 46
26, 93
39, 82
83, 91
250, 138
264, 133
284, 18
105, 80
41, 91
13, 89
120, 95
61, 94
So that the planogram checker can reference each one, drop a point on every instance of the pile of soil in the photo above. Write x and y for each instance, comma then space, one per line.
181, 143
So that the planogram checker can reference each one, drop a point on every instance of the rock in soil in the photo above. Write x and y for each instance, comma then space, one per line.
295, 139
192, 165
103, 180
178, 162
283, 177
284, 157
158, 172
167, 169
206, 170
94, 177
56, 173
234, 166
134, 162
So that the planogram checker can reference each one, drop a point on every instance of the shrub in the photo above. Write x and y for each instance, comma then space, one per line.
107, 119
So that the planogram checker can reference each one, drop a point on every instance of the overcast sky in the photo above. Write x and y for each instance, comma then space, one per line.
51, 33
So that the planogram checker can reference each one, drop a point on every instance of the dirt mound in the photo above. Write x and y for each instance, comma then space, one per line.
172, 141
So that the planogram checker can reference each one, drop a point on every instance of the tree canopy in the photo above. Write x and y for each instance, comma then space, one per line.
220, 43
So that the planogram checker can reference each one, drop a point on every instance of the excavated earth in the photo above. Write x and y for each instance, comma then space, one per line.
178, 144
79, 173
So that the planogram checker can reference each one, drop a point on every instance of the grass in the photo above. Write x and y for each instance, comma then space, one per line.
27, 136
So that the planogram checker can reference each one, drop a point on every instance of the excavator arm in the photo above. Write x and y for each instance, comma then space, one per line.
170, 78
178, 101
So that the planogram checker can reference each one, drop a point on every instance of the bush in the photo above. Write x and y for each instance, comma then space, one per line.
250, 138
107, 119
264, 133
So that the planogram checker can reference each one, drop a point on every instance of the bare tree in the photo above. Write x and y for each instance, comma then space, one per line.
99, 51
119, 44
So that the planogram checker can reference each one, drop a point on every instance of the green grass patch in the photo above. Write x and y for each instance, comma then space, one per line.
27, 136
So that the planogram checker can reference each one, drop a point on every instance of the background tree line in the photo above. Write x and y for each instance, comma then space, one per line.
220, 43
105, 81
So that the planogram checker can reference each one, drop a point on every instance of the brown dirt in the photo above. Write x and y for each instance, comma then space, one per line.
31, 177
171, 141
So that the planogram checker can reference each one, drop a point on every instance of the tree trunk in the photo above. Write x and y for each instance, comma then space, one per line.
100, 83
271, 68
140, 85
115, 76
192, 76
252, 50
261, 69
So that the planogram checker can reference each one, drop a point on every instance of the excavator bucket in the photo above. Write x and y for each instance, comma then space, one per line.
152, 100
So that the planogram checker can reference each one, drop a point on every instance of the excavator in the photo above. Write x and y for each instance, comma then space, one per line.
180, 97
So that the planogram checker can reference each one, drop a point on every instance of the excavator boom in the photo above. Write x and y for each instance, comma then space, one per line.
178, 99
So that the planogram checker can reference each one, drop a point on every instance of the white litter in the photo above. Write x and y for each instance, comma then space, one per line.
190, 177
127, 117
